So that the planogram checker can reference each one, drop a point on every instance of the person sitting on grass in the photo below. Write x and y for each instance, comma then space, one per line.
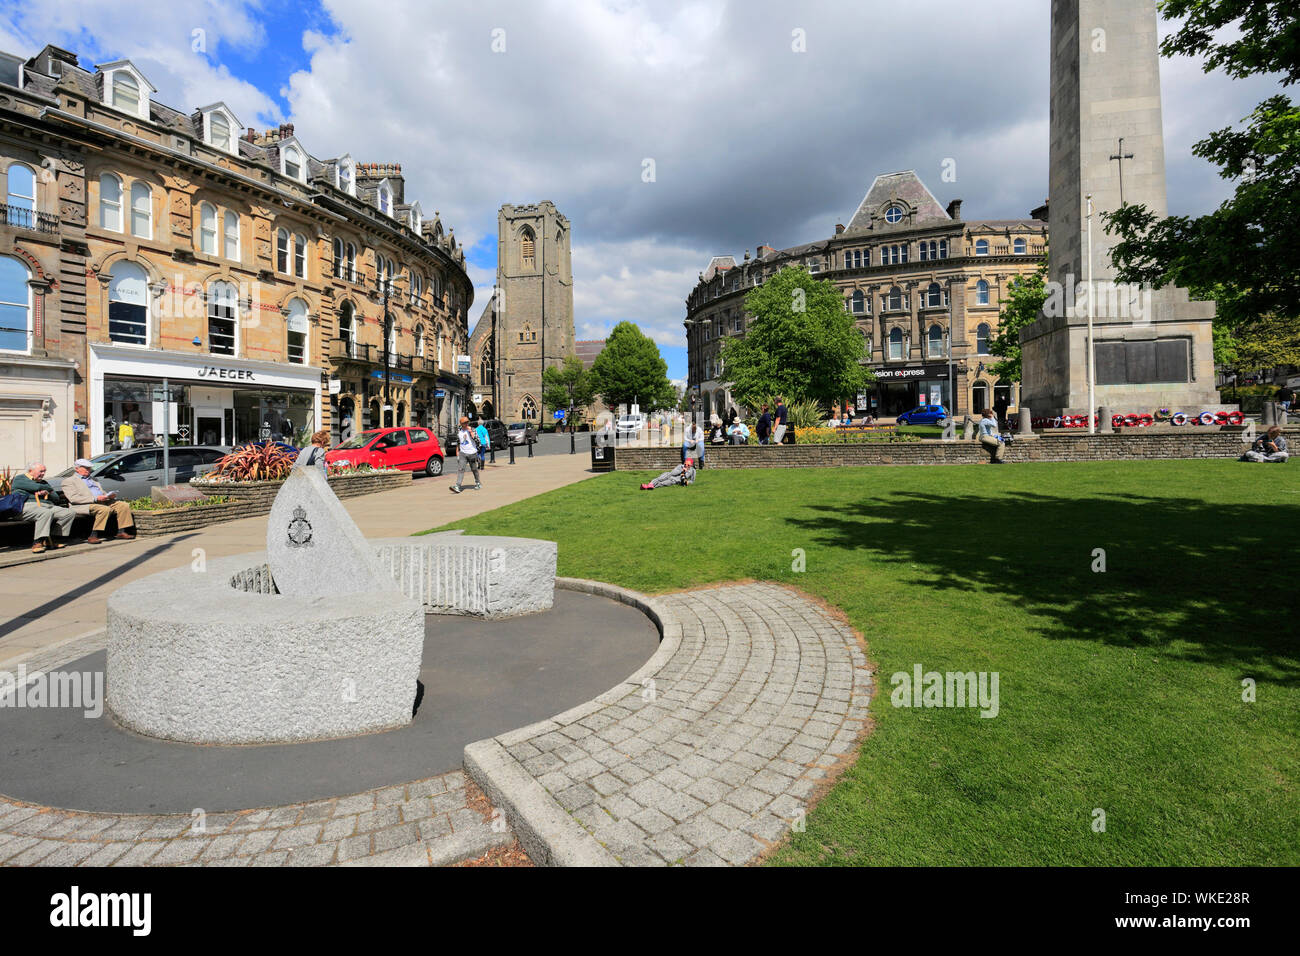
1271, 446
683, 474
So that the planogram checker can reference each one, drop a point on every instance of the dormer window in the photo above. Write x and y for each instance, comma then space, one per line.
126, 92
126, 89
219, 127
345, 175
293, 163
384, 198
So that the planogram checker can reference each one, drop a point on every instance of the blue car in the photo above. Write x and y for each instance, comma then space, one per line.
924, 415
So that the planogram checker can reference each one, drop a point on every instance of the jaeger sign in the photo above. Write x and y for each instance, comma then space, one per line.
229, 374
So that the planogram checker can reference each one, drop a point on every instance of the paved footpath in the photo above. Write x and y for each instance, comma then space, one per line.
49, 602
709, 755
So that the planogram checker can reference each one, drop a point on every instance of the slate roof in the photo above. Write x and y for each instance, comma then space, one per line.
905, 185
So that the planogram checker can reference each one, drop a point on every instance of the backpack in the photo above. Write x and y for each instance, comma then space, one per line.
11, 506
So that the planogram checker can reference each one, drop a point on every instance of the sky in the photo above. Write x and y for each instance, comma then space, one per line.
667, 132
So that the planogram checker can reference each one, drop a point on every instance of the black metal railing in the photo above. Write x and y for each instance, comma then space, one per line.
23, 218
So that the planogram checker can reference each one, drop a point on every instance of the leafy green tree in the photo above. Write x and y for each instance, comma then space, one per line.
801, 343
567, 386
1245, 251
1025, 297
630, 370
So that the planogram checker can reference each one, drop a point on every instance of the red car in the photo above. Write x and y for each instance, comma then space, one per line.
411, 449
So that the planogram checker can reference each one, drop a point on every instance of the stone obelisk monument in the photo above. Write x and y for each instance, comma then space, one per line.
1153, 349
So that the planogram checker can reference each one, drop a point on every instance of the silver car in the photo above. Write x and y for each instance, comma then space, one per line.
133, 472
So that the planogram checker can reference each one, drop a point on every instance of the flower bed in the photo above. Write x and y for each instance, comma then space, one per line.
851, 435
243, 499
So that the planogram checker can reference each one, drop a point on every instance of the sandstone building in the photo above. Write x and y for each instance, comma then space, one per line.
922, 283
143, 245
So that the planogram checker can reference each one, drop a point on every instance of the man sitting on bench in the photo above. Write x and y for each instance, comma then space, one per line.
42, 505
87, 497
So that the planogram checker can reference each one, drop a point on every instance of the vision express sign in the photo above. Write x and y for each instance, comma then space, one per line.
896, 374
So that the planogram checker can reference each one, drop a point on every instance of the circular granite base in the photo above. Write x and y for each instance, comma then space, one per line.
480, 678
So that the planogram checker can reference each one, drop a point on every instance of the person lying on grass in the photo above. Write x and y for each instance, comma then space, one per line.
683, 474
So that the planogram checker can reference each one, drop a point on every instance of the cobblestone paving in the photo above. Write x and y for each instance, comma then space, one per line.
440, 820
715, 757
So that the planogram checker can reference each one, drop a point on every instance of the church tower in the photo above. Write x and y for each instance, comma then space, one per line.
528, 324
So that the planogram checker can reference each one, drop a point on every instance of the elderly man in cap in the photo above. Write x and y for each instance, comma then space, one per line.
86, 496
43, 506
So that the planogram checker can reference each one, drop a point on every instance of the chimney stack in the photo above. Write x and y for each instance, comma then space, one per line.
954, 209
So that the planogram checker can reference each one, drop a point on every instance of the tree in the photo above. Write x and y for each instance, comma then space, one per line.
801, 343
1025, 297
567, 386
1245, 250
630, 370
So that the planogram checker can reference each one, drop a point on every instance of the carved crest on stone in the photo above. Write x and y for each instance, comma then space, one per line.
300, 529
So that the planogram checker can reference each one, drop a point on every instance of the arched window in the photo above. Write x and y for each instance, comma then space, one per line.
219, 130
338, 258
282, 250
110, 202
896, 343
352, 262
417, 289
347, 330
895, 298
419, 341
208, 229
935, 344
296, 330
859, 302
231, 235
293, 163
484, 371
392, 341
526, 241
15, 306
934, 295
981, 247
21, 196
141, 210
222, 324
528, 409
126, 92
128, 304
438, 343
981, 293
982, 339
1018, 247
300, 256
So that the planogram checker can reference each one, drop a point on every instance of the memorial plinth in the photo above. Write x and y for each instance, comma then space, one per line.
319, 637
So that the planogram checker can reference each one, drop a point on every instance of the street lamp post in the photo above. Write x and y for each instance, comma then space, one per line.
1092, 372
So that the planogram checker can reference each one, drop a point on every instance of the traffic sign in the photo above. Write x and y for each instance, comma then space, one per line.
559, 413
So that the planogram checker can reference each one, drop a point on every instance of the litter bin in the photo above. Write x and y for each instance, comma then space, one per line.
602, 457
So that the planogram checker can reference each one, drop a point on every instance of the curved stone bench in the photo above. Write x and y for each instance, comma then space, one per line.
219, 656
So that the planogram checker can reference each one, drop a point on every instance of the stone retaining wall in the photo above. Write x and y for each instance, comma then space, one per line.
1222, 442
251, 498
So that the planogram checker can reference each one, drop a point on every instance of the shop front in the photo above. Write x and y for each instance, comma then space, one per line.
136, 395
898, 389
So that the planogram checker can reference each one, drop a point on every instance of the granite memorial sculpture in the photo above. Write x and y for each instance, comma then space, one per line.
319, 637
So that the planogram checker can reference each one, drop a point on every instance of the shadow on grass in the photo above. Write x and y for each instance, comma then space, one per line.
1203, 583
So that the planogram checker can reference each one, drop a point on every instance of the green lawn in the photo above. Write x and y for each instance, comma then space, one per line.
1119, 690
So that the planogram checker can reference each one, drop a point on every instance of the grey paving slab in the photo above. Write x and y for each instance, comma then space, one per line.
706, 755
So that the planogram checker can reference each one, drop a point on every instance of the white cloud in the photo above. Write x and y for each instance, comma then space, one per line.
752, 142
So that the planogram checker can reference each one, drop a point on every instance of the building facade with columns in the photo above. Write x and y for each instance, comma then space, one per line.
164, 266
923, 284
